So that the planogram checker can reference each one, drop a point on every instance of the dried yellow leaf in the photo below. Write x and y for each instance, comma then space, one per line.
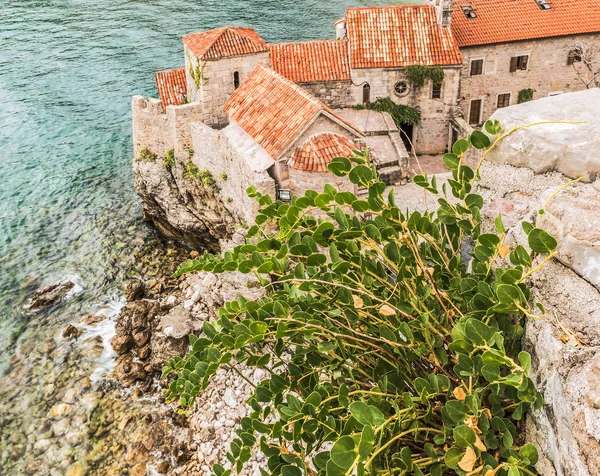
504, 249
479, 444
459, 393
386, 310
468, 460
358, 302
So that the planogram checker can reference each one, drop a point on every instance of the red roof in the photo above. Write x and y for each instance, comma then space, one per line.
394, 37
500, 21
312, 61
225, 42
172, 86
274, 111
319, 150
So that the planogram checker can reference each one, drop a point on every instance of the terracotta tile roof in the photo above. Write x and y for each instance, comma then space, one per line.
172, 86
319, 150
500, 21
312, 61
274, 111
393, 37
225, 42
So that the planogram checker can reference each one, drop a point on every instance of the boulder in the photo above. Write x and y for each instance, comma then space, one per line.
134, 289
71, 332
50, 295
571, 149
171, 337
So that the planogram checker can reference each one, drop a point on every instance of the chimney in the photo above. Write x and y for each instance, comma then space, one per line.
443, 9
340, 29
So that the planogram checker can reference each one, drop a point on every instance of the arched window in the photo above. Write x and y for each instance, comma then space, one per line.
366, 93
236, 80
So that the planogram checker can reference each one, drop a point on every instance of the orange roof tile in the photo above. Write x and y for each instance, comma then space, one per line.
274, 111
172, 86
312, 61
394, 37
225, 42
319, 150
500, 21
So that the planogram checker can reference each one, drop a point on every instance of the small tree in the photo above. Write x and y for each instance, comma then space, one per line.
586, 64
391, 339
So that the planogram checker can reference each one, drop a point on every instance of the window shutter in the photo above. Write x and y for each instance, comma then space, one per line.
475, 112
570, 59
513, 64
524, 62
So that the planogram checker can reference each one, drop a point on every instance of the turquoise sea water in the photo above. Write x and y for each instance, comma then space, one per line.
68, 69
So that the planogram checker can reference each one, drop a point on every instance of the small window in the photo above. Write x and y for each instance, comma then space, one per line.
436, 91
574, 57
469, 12
519, 63
476, 67
366, 93
401, 88
475, 112
503, 100
543, 4
236, 80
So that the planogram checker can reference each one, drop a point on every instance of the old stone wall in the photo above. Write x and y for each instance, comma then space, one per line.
333, 93
217, 82
431, 135
547, 71
233, 166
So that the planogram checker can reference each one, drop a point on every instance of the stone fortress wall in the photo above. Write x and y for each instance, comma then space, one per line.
547, 59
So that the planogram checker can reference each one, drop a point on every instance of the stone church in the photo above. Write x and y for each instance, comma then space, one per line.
287, 109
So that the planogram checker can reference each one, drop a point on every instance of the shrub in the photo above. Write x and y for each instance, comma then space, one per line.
223, 177
402, 115
146, 154
203, 177
169, 160
391, 340
525, 95
418, 74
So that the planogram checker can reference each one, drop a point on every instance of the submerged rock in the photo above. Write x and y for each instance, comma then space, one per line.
50, 295
71, 332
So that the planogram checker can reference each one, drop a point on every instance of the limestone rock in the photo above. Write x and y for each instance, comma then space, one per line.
571, 149
134, 289
50, 295
71, 332
121, 343
171, 336
128, 372
92, 319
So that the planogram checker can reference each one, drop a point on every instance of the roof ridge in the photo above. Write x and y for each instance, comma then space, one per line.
391, 7
308, 41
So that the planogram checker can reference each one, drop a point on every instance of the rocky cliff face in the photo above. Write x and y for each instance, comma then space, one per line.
181, 202
565, 345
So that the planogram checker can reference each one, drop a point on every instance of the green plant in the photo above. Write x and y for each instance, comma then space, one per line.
169, 160
203, 177
146, 154
525, 95
391, 340
402, 115
418, 74
190, 153
223, 176
197, 72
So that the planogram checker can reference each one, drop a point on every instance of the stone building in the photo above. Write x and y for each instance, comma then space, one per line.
513, 47
470, 57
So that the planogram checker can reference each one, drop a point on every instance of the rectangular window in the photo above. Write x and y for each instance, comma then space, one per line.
436, 91
503, 100
574, 57
475, 112
476, 67
519, 63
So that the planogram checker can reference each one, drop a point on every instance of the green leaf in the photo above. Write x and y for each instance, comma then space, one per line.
480, 140
457, 410
361, 175
290, 470
460, 147
453, 457
541, 241
451, 161
478, 332
527, 227
340, 166
464, 436
366, 414
514, 471
343, 453
520, 257
529, 452
525, 361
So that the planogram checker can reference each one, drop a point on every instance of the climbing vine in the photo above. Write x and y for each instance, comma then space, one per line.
525, 95
402, 114
391, 340
197, 72
418, 74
